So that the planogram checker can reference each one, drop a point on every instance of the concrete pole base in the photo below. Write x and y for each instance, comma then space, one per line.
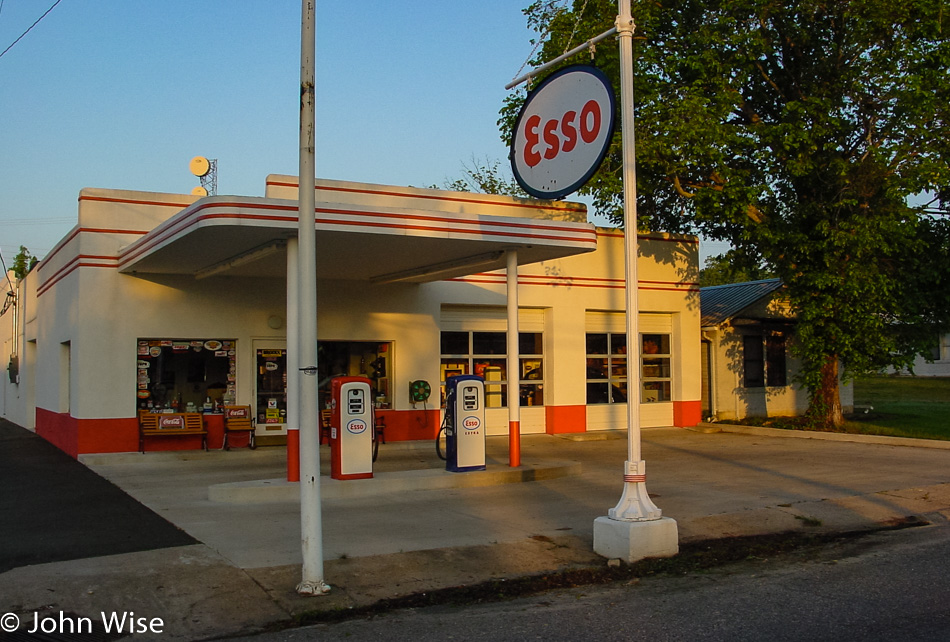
634, 541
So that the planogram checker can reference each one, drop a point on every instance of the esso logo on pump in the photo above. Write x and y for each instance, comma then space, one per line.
563, 132
471, 423
356, 427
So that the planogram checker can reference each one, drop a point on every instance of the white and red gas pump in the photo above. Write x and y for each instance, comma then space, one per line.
351, 428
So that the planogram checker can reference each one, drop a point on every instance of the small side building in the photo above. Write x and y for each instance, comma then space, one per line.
747, 368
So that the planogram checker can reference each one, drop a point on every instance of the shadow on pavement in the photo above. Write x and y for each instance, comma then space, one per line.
53, 508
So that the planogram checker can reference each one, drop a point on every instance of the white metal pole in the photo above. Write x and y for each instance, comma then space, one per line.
311, 525
635, 504
513, 365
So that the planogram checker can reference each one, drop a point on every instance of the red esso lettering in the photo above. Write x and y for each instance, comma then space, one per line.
560, 135
531, 157
590, 121
471, 423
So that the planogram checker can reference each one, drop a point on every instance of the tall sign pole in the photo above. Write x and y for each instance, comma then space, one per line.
634, 528
311, 522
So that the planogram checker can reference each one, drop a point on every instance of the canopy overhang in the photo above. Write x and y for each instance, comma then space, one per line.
246, 237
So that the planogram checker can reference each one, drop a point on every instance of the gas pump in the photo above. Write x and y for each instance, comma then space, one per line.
465, 423
351, 428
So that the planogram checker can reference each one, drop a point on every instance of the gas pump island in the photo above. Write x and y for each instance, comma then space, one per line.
465, 423
351, 428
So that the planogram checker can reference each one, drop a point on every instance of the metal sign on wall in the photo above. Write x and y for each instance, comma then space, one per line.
563, 132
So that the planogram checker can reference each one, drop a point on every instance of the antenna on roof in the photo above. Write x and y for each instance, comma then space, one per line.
207, 171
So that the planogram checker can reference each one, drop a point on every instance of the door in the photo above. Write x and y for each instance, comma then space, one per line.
270, 389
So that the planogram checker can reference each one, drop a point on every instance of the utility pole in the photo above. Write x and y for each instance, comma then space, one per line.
311, 520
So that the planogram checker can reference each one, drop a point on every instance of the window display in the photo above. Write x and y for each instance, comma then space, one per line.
185, 375
485, 354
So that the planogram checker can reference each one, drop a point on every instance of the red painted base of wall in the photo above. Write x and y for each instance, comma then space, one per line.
80, 436
565, 419
83, 436
687, 413
408, 425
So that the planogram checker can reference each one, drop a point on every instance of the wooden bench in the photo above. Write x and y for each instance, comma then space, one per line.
171, 425
238, 419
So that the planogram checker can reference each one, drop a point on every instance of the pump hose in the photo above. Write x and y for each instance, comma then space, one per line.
439, 450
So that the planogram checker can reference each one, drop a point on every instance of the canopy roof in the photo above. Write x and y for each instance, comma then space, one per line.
247, 237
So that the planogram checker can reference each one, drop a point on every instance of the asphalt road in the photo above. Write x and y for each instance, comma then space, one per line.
893, 585
52, 508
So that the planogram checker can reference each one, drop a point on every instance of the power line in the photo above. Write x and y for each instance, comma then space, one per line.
36, 221
28, 30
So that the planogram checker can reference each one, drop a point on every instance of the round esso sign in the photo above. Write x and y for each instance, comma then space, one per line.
356, 427
563, 131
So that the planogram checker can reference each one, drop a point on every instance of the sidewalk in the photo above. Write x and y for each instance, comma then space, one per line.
388, 539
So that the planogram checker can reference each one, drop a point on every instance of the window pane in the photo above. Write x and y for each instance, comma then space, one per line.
532, 394
597, 368
491, 369
656, 368
532, 369
618, 392
597, 393
618, 344
529, 343
618, 367
753, 362
654, 391
455, 343
775, 355
597, 343
489, 343
496, 395
656, 343
452, 367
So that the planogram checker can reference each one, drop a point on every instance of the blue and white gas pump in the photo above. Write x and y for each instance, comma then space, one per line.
465, 423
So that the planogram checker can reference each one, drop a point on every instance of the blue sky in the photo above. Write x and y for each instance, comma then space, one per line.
123, 93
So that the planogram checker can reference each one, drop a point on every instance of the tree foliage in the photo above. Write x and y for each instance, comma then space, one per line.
804, 133
485, 177
725, 269
23, 262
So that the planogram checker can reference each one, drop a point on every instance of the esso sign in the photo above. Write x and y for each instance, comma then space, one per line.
471, 423
356, 426
563, 131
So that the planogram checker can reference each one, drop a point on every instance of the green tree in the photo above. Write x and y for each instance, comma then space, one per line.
725, 269
800, 132
23, 262
485, 177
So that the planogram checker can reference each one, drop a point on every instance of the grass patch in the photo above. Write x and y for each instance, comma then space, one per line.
915, 407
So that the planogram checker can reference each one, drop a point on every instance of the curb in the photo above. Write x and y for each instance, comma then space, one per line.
280, 490
881, 440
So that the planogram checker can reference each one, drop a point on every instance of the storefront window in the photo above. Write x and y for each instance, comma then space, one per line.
607, 368
370, 359
485, 354
185, 375
657, 377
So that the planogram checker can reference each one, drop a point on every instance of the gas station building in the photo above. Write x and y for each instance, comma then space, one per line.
173, 301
